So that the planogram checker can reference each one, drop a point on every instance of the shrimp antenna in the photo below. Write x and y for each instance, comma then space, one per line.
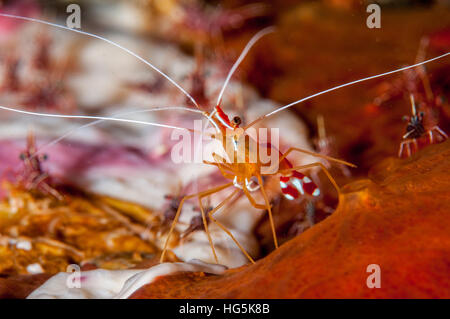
244, 52
103, 118
344, 85
107, 41
421, 54
321, 127
413, 105
74, 130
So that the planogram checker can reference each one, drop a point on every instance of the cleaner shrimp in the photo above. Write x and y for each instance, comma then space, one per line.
246, 176
33, 177
418, 128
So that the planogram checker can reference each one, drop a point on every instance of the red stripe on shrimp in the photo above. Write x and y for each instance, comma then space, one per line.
297, 184
222, 117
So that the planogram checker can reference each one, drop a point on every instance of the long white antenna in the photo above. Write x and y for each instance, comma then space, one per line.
108, 41
103, 118
72, 131
344, 85
247, 48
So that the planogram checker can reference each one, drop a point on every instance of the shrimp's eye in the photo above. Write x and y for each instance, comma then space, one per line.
237, 120
22, 156
45, 157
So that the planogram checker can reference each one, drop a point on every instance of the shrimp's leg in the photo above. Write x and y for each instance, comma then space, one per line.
316, 155
439, 131
400, 150
224, 165
251, 199
205, 224
204, 193
416, 145
47, 188
219, 158
437, 128
269, 209
223, 169
325, 170
210, 214
37, 178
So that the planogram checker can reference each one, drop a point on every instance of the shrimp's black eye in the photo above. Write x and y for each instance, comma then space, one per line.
22, 156
45, 157
237, 120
